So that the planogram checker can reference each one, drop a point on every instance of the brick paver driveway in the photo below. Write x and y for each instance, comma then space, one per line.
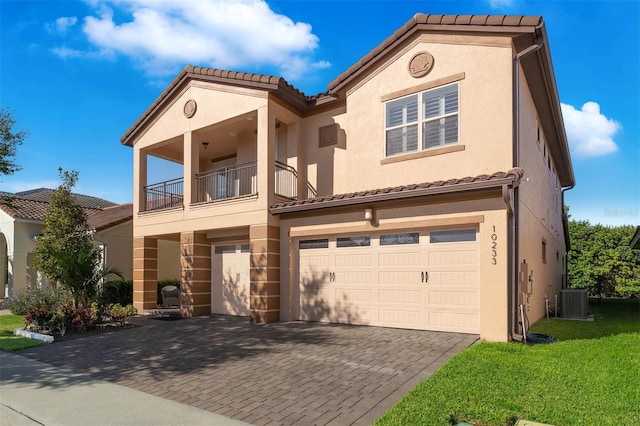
280, 373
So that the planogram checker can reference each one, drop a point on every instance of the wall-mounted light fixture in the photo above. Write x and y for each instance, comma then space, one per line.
205, 145
368, 215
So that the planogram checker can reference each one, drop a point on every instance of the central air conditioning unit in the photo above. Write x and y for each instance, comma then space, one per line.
574, 303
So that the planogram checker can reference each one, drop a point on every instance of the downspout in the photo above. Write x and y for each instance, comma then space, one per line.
565, 284
512, 227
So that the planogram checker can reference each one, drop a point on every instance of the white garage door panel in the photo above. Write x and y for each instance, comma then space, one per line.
460, 322
461, 298
389, 286
400, 318
398, 277
404, 258
230, 281
353, 260
400, 296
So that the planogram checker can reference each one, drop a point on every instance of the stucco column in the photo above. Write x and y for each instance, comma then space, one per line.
266, 155
195, 266
139, 180
265, 273
17, 273
145, 273
190, 168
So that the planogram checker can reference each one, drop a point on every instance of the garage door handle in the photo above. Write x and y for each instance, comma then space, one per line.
422, 274
426, 276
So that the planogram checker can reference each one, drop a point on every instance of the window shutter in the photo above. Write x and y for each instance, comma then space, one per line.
402, 111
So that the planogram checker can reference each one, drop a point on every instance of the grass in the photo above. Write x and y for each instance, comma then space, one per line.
9, 342
612, 316
589, 377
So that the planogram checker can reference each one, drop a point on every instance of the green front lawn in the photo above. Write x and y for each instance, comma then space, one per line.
585, 381
9, 342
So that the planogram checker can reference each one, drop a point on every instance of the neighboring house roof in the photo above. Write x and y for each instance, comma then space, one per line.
32, 205
20, 208
86, 201
111, 216
635, 240
471, 183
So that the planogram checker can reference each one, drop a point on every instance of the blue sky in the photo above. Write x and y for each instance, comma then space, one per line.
77, 74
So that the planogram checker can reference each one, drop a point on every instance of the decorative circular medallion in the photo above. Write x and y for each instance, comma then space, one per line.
190, 108
420, 64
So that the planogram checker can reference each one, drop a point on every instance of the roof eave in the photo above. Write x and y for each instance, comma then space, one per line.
395, 196
560, 151
422, 23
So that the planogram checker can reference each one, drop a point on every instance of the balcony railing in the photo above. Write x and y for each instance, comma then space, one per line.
230, 182
164, 195
286, 181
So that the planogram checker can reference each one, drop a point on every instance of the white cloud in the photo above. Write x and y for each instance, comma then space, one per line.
62, 25
65, 52
163, 35
590, 133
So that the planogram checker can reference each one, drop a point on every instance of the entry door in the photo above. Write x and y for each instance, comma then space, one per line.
230, 280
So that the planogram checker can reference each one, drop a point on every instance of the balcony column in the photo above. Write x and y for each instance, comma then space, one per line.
191, 168
301, 161
265, 273
266, 158
195, 266
145, 273
139, 180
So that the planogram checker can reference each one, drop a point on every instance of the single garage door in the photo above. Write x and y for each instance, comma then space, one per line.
427, 280
230, 280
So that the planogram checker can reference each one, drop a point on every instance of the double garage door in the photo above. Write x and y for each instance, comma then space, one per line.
427, 280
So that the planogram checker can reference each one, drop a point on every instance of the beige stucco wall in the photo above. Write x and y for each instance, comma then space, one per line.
493, 278
168, 260
119, 248
540, 210
19, 255
484, 118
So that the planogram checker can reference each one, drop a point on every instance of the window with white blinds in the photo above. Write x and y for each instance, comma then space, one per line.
437, 114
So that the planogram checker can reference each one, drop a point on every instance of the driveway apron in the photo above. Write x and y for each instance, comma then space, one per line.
273, 374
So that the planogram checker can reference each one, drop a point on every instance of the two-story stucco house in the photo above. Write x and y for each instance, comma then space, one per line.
423, 190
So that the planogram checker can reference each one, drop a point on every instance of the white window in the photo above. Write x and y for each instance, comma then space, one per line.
436, 113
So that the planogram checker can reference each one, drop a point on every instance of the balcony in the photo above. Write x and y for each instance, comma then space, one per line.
234, 182
229, 182
164, 195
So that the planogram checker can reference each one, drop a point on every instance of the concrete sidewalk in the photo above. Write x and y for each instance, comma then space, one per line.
35, 393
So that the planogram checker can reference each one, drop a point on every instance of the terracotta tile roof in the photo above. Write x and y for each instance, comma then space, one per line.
20, 208
469, 183
32, 204
44, 194
423, 21
110, 216
276, 85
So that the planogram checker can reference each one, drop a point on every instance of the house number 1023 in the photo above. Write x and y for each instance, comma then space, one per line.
494, 247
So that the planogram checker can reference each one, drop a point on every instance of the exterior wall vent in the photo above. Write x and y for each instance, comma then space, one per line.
574, 303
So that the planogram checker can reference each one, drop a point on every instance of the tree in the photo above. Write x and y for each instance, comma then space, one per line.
9, 142
65, 252
601, 260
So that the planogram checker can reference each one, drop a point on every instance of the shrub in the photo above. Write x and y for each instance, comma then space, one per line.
117, 292
120, 313
36, 298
